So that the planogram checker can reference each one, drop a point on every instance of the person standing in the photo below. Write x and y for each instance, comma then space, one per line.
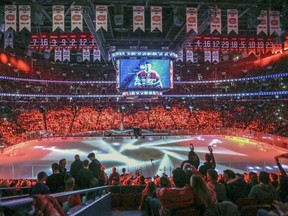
76, 166
193, 158
56, 179
95, 167
62, 166
209, 162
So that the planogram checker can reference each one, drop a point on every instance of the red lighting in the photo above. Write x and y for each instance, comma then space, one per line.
3, 58
23, 66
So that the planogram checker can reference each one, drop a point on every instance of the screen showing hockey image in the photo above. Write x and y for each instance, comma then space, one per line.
145, 74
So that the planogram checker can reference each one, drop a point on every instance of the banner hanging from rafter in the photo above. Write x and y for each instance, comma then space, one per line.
138, 18
9, 38
86, 55
58, 17
274, 18
66, 55
262, 19
58, 55
96, 55
76, 17
101, 17
216, 23
10, 17
24, 17
156, 18
232, 20
191, 20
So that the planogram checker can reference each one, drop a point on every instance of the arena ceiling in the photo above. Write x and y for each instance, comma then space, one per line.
120, 20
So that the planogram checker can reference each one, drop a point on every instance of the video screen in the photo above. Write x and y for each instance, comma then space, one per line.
145, 74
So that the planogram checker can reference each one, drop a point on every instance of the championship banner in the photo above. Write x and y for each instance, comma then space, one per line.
207, 56
83, 40
86, 55
73, 41
225, 44
63, 41
262, 19
180, 55
58, 17
191, 20
34, 41
101, 17
9, 38
232, 20
76, 17
269, 45
92, 42
53, 41
138, 18
242, 44
58, 55
96, 55
156, 18
189, 55
197, 43
66, 55
24, 17
216, 23
251, 45
207, 43
44, 44
215, 42
260, 45
274, 18
215, 56
10, 17
233, 44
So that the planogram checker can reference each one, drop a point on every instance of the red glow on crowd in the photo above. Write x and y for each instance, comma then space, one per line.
3, 58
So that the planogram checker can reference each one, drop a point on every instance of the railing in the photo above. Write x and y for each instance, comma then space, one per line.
99, 201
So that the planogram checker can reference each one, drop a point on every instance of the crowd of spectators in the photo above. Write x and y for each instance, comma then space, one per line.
23, 122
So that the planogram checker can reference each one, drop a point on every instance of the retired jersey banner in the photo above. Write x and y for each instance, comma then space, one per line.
76, 17
10, 17
96, 55
274, 18
63, 41
207, 56
58, 55
206, 43
277, 47
84, 40
58, 17
24, 17
251, 45
179, 55
86, 55
156, 18
216, 23
44, 40
66, 55
92, 42
138, 18
197, 43
225, 44
53, 41
232, 20
215, 56
189, 55
242, 44
233, 44
269, 44
260, 45
191, 19
9, 38
262, 19
73, 41
215, 42
101, 17
34, 41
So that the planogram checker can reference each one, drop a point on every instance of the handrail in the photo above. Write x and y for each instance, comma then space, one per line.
28, 200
